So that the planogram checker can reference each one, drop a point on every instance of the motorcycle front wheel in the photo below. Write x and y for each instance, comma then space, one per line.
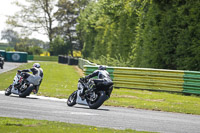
8, 91
71, 101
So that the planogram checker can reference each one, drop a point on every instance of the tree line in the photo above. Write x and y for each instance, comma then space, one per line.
53, 18
142, 33
137, 33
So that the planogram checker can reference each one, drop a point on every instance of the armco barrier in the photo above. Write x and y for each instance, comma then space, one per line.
82, 62
153, 79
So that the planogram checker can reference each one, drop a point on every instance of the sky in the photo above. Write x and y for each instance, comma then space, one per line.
7, 8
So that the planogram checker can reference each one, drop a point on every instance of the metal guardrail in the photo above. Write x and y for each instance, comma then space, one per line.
153, 79
82, 62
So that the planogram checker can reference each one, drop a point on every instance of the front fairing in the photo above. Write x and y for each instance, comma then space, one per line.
16, 79
80, 87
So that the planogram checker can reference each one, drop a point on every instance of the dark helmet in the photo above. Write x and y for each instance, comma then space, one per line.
102, 67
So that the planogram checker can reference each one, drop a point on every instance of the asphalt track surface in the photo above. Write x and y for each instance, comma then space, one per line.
9, 66
53, 109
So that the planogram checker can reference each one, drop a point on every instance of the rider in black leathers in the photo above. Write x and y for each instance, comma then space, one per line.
103, 80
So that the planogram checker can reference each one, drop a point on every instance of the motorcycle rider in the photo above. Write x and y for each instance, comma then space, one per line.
36, 77
103, 80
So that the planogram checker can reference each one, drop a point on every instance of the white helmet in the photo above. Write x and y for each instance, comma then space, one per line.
36, 65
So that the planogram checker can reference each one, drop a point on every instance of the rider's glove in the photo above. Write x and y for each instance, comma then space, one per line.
83, 78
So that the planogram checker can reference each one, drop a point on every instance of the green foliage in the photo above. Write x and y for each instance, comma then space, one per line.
11, 36
35, 50
9, 49
32, 46
5, 46
107, 60
109, 28
59, 46
152, 33
169, 35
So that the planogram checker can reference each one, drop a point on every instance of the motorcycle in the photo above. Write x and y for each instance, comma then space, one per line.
21, 86
93, 97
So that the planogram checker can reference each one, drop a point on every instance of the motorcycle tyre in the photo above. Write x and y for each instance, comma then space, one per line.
27, 92
7, 93
99, 101
72, 103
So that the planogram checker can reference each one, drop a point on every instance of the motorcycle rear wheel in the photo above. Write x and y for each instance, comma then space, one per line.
27, 92
99, 101
71, 101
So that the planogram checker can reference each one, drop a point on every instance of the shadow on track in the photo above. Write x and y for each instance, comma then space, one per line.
16, 96
91, 109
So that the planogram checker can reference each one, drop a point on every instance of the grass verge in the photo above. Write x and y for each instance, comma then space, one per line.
44, 58
14, 125
61, 80
159, 101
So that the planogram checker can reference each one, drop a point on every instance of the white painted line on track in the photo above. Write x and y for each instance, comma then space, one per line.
42, 97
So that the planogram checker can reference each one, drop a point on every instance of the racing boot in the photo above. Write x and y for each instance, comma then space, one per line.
82, 95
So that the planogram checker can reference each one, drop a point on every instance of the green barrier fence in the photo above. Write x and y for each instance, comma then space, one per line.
3, 53
30, 57
153, 79
191, 82
16, 56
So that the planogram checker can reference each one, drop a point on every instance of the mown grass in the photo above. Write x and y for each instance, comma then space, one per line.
61, 80
159, 101
14, 125
45, 58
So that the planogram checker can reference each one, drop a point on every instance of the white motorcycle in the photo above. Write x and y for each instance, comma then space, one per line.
21, 86
93, 97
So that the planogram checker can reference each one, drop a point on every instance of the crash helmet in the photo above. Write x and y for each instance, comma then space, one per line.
102, 67
36, 65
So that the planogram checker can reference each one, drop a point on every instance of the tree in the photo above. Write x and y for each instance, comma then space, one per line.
60, 47
108, 29
36, 15
11, 36
35, 50
66, 15
32, 46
